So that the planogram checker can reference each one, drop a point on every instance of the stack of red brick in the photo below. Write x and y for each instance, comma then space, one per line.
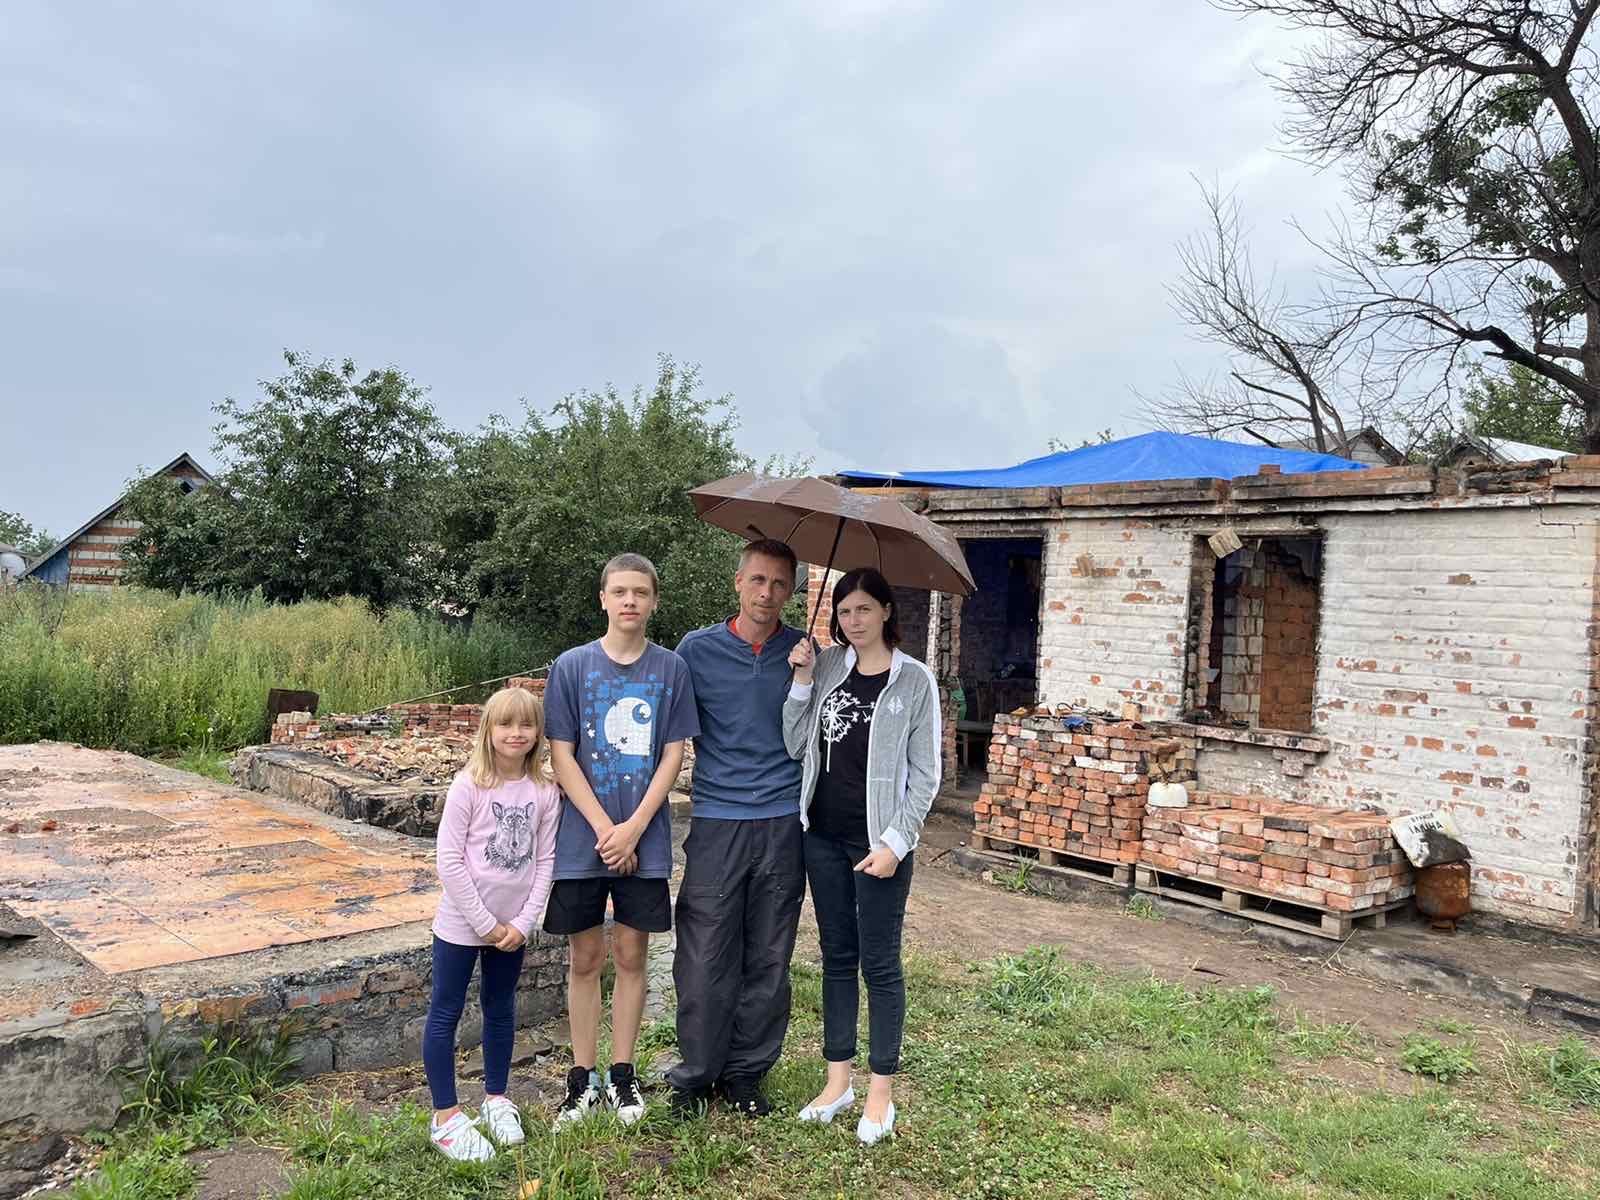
1079, 790
1325, 858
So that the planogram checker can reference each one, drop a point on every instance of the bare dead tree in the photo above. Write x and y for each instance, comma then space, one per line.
1283, 357
1469, 131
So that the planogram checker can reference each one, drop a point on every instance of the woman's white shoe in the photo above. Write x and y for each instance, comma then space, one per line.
870, 1132
822, 1114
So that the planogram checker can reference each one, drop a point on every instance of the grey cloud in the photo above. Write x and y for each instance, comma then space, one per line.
857, 210
919, 396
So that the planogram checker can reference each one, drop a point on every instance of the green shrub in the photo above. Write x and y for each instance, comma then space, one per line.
1431, 1057
152, 673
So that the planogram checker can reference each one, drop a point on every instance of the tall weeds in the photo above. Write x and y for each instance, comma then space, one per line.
150, 672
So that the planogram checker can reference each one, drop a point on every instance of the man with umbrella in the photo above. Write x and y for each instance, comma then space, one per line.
739, 905
744, 877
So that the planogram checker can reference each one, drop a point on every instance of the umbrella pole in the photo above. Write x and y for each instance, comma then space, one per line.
834, 549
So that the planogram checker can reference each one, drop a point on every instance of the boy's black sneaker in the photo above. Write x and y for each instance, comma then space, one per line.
583, 1097
745, 1097
622, 1089
688, 1104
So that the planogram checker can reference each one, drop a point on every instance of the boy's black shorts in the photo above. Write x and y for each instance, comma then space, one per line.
579, 904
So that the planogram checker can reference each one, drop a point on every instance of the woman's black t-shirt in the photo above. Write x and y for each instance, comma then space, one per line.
839, 806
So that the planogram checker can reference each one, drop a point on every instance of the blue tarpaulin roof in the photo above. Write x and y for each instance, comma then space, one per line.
1135, 459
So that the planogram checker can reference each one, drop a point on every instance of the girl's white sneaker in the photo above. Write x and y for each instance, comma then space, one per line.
870, 1132
822, 1114
502, 1119
458, 1139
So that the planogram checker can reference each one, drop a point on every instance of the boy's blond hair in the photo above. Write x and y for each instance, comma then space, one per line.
504, 707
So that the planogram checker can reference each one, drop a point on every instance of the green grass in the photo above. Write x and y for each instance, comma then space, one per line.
1028, 1076
213, 764
220, 1084
159, 674
1017, 879
1558, 1076
156, 1171
1144, 908
1312, 1039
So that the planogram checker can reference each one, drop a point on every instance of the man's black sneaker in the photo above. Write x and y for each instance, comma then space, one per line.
745, 1097
690, 1103
622, 1090
583, 1097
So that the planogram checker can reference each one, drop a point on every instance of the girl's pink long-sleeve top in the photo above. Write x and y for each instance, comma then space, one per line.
496, 855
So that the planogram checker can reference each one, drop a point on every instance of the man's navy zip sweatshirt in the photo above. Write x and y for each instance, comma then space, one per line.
742, 770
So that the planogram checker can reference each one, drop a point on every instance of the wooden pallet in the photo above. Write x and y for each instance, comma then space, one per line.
1082, 866
1262, 906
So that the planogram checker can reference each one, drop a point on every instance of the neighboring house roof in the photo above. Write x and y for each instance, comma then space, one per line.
1146, 457
1366, 441
1498, 450
183, 460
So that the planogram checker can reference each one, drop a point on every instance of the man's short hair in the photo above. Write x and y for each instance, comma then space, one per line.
630, 562
770, 548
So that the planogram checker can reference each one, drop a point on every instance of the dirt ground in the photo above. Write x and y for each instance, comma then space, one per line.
952, 912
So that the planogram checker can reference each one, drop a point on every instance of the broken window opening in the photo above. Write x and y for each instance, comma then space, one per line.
1251, 649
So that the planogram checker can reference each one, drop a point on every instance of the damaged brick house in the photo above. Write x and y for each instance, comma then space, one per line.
1397, 639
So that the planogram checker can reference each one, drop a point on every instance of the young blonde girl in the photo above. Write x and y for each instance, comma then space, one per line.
496, 857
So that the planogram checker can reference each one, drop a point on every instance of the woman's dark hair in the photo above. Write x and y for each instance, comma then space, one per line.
872, 582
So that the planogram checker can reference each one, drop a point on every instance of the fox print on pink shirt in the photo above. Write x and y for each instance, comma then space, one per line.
496, 856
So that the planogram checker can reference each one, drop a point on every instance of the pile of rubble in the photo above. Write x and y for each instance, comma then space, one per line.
413, 720
405, 743
430, 759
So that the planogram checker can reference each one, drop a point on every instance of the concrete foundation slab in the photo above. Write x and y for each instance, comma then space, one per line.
161, 904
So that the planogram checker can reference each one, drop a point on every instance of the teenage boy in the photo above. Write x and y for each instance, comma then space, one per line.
744, 870
618, 711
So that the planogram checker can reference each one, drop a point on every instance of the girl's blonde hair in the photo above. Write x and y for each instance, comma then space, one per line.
504, 707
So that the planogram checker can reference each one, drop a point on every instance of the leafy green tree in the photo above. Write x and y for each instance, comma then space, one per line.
17, 531
1522, 406
1469, 129
536, 510
327, 489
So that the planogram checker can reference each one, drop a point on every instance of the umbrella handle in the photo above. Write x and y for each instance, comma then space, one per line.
834, 549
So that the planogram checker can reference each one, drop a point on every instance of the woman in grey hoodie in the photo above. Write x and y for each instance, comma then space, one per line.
864, 720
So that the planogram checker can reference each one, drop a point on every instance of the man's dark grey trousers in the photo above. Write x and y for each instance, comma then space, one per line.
738, 911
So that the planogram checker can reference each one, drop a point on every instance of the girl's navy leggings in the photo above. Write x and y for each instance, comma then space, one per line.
497, 993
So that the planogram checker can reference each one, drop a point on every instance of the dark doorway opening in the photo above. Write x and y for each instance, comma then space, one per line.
999, 637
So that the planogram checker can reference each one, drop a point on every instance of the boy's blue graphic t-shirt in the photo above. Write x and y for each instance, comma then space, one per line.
618, 719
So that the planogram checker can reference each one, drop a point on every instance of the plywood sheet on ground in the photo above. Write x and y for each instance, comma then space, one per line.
135, 867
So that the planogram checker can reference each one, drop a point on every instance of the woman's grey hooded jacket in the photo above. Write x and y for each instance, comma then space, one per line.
904, 745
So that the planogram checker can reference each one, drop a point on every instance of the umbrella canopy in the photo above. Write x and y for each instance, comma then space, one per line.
827, 524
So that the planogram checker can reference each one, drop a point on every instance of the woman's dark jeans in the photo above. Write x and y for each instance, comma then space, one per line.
859, 919
497, 993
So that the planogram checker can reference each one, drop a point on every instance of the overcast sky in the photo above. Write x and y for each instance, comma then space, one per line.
900, 234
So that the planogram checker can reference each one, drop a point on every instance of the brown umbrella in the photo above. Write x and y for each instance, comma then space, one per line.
825, 523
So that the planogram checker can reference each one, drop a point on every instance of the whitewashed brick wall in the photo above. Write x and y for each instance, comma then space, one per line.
1452, 674
1114, 613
